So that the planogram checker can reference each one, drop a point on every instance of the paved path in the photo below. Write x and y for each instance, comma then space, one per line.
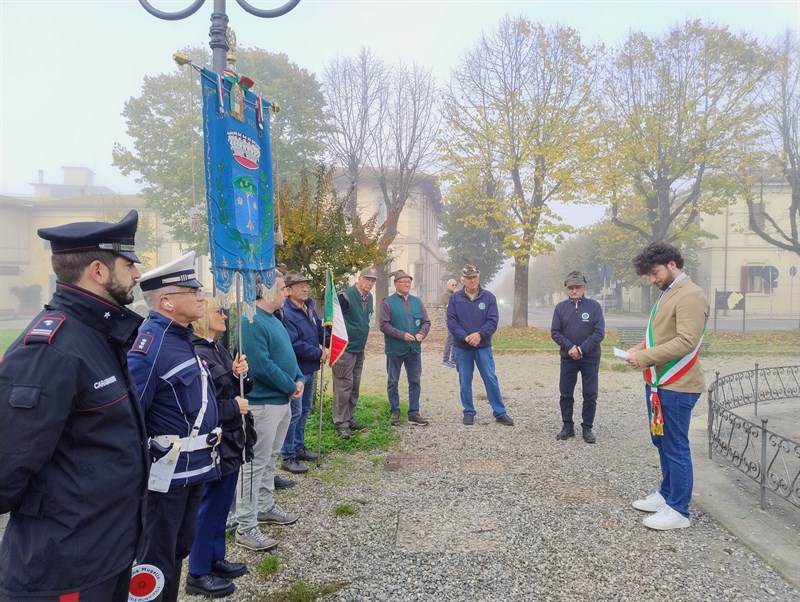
495, 513
489, 513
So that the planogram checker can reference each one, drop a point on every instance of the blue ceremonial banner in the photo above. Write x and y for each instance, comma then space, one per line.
239, 192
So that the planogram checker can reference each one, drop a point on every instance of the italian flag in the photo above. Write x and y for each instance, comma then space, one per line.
335, 319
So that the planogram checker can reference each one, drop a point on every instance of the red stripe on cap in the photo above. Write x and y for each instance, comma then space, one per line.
73, 597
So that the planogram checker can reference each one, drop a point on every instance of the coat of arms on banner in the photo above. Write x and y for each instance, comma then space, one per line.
239, 188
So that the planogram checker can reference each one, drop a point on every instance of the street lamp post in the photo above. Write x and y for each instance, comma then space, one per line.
219, 23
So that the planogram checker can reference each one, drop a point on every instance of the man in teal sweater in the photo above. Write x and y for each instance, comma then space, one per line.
357, 307
276, 380
404, 323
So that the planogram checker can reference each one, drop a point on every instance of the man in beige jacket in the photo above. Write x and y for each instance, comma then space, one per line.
669, 357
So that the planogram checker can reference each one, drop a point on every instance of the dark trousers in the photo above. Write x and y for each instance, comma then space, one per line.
169, 534
674, 451
209, 541
111, 590
413, 364
566, 385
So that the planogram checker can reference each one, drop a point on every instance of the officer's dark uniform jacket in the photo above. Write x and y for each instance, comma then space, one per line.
73, 450
166, 371
238, 430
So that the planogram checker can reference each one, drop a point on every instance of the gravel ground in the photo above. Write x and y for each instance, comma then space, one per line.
496, 513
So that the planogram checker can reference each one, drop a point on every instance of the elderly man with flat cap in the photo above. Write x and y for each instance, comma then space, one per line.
73, 449
306, 333
357, 306
472, 317
578, 327
404, 323
177, 396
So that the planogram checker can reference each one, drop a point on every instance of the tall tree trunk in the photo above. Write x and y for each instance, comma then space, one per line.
381, 289
520, 317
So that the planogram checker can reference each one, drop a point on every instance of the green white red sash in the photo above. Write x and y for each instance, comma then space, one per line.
672, 372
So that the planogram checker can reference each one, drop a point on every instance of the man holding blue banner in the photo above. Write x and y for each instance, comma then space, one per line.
674, 381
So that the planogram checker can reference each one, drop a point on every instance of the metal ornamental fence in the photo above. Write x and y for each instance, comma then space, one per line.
769, 458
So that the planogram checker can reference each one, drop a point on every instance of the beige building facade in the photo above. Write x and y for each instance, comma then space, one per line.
416, 247
26, 277
25, 258
738, 260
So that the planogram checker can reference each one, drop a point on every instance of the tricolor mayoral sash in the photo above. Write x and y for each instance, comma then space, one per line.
239, 188
672, 372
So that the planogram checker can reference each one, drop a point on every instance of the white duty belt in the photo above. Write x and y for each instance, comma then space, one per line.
163, 472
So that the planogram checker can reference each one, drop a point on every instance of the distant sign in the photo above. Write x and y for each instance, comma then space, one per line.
770, 276
729, 300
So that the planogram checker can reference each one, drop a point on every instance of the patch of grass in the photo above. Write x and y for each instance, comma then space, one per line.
336, 471
300, 591
7, 336
344, 510
268, 566
511, 340
772, 343
372, 411
523, 339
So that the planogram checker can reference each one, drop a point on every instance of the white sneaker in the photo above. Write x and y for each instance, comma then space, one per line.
652, 503
666, 519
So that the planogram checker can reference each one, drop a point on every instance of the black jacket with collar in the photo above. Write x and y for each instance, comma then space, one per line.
238, 430
73, 448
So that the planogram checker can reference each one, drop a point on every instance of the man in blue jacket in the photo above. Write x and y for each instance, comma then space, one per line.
578, 327
305, 330
472, 318
180, 412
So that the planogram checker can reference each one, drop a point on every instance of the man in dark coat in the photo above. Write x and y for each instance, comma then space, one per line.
73, 450
578, 327
177, 395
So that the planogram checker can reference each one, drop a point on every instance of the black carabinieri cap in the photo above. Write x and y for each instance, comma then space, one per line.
80, 237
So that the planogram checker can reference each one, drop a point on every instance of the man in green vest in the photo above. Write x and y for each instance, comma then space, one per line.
357, 307
404, 323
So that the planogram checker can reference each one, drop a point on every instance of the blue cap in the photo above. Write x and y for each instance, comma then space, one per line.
179, 272
80, 237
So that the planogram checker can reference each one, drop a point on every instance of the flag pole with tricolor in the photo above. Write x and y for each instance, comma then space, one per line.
338, 342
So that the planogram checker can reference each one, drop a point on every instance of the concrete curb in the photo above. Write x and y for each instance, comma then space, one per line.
733, 500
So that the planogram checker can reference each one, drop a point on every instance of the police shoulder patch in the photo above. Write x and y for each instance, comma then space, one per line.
142, 343
44, 329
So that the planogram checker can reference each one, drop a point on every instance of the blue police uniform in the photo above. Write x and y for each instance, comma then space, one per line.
73, 449
174, 388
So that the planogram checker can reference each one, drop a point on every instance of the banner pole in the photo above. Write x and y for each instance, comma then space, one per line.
321, 385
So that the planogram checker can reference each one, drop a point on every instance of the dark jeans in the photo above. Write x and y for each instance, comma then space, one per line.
674, 452
305, 410
169, 534
566, 385
413, 364
288, 449
449, 351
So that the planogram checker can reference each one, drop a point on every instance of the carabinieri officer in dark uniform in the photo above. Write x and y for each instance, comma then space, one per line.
73, 450
177, 395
